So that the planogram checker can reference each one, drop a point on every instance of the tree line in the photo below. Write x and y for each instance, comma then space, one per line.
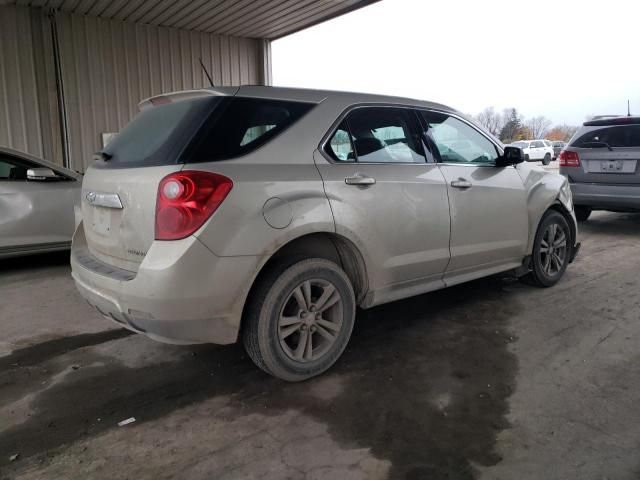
510, 126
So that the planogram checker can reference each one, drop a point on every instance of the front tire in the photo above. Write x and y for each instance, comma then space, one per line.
299, 319
582, 213
552, 248
546, 160
526, 158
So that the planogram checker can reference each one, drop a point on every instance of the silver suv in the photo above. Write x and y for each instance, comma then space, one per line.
602, 163
268, 215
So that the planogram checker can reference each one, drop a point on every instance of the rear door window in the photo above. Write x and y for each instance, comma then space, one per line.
626, 136
380, 135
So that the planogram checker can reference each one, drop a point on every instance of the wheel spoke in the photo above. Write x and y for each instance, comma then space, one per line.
302, 343
335, 298
286, 332
559, 260
306, 290
286, 321
329, 325
544, 249
546, 264
308, 353
561, 241
326, 294
299, 296
324, 332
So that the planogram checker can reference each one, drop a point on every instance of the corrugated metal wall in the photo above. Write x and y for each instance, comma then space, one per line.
107, 67
28, 103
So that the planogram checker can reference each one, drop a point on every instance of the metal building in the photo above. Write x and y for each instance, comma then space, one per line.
72, 71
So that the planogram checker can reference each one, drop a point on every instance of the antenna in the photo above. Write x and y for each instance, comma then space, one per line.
628, 109
206, 72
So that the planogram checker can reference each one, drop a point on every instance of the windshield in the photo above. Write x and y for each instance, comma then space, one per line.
521, 144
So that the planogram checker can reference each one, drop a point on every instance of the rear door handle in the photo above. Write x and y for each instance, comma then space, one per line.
360, 179
461, 183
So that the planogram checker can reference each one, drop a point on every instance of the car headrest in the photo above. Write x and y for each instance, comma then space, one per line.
367, 145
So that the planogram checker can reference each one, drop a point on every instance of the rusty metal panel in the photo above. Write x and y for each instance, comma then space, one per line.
108, 66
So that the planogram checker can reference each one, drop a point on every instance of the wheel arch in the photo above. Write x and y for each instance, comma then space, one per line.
328, 245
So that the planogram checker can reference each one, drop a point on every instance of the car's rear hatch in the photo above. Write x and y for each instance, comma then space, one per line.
607, 155
119, 189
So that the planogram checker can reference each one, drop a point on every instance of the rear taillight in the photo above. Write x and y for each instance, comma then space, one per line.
186, 200
569, 159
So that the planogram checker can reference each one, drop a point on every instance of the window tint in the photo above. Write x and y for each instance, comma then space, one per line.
200, 130
458, 142
385, 135
157, 135
14, 169
623, 136
241, 125
340, 146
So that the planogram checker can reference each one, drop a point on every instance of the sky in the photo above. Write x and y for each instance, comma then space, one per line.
564, 59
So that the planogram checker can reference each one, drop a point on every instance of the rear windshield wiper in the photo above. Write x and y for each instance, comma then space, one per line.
597, 144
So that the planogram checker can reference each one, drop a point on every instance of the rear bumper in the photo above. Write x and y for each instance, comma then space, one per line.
182, 293
603, 196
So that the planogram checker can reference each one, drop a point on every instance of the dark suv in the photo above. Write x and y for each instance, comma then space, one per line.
602, 164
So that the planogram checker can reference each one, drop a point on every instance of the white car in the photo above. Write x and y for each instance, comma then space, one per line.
39, 204
536, 150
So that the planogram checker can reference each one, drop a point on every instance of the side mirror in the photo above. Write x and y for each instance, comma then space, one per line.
511, 156
41, 174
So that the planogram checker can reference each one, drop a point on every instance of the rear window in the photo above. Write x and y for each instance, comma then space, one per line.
242, 125
158, 135
621, 137
201, 130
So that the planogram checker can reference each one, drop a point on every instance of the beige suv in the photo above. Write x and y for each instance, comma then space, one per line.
268, 215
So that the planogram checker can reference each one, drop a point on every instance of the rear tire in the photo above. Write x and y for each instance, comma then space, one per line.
582, 213
299, 319
552, 248
546, 160
526, 158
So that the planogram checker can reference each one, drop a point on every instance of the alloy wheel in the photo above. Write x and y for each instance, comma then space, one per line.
310, 320
553, 249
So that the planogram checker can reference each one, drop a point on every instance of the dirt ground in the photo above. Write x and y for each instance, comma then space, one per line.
493, 379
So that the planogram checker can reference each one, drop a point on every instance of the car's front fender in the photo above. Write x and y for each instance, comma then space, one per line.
543, 190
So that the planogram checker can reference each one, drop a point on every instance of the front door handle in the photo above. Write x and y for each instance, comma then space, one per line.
360, 179
461, 183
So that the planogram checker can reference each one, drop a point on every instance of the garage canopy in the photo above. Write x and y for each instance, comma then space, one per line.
73, 71
269, 19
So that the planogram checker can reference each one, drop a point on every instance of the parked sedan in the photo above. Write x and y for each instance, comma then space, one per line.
602, 164
536, 150
39, 204
267, 215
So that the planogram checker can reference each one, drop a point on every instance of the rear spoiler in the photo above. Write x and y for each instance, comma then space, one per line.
173, 97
